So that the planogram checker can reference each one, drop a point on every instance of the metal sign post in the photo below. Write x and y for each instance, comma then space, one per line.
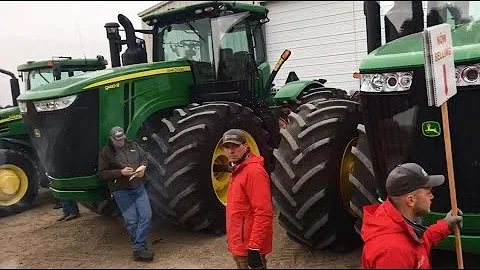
441, 85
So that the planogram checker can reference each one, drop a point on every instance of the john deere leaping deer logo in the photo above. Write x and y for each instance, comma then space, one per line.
431, 129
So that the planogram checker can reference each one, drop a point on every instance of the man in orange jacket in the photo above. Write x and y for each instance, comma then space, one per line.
249, 214
392, 234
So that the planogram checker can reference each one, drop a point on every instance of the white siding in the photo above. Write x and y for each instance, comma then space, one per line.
327, 40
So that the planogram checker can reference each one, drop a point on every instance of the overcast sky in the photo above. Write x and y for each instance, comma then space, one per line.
41, 30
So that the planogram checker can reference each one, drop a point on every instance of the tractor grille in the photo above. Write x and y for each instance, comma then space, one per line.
394, 127
68, 141
390, 124
464, 132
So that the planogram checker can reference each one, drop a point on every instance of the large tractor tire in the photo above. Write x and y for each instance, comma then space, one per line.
310, 182
19, 181
188, 176
321, 93
311, 94
364, 186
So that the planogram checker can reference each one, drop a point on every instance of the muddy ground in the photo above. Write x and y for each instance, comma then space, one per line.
34, 239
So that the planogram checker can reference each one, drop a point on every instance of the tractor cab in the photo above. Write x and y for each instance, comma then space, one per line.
36, 73
223, 43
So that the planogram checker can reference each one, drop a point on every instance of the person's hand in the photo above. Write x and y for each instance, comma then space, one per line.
127, 171
254, 259
454, 220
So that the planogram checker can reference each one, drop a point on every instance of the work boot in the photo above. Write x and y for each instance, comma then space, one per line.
143, 255
57, 205
62, 218
72, 216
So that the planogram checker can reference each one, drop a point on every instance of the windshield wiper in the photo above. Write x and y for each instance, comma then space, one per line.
43, 77
195, 31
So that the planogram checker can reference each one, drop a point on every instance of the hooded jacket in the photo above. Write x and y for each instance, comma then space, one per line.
391, 243
249, 214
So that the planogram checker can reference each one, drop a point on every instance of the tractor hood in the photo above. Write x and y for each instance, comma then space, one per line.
9, 114
407, 52
101, 78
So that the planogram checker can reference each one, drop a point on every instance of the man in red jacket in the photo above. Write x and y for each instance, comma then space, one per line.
249, 213
393, 236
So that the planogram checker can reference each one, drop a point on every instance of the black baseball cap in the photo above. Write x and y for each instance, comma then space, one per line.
116, 133
235, 136
408, 177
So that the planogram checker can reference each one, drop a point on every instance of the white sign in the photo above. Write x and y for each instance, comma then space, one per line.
439, 65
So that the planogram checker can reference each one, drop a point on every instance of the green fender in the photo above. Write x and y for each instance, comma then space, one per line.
291, 90
149, 109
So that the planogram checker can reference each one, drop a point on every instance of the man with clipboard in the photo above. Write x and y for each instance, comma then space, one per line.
122, 164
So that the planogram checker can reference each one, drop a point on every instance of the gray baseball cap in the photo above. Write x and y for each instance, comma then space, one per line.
235, 136
116, 133
408, 177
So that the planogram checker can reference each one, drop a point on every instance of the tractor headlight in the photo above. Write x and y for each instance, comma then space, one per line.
386, 82
22, 106
54, 104
468, 75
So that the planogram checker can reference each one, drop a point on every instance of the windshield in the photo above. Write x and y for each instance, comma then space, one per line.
38, 77
230, 39
219, 46
453, 12
186, 41
400, 14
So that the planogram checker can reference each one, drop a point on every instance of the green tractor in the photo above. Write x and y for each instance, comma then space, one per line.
21, 172
325, 196
209, 74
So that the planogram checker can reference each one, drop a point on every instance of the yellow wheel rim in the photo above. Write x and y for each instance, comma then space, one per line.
345, 170
220, 180
13, 184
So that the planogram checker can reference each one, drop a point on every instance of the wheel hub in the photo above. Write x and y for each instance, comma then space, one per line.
13, 184
9, 182
345, 170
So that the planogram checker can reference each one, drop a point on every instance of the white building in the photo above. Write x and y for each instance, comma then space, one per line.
327, 39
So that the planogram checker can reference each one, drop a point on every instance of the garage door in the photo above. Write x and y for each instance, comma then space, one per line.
327, 40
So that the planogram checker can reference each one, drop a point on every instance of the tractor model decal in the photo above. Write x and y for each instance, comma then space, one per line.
112, 86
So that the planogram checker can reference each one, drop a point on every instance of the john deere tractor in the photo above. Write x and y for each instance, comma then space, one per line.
21, 173
209, 74
396, 126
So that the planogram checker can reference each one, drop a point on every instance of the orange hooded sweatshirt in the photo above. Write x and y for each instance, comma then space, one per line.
391, 243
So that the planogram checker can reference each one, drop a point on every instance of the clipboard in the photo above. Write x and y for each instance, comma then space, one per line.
139, 169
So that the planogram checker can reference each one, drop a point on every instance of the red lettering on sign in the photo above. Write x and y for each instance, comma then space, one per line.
441, 38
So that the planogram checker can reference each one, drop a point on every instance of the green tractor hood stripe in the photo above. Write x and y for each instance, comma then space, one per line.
139, 75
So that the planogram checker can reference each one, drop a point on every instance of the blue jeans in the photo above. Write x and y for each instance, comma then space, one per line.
137, 214
69, 207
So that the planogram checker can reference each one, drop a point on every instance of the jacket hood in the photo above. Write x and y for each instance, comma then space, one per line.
381, 219
251, 159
